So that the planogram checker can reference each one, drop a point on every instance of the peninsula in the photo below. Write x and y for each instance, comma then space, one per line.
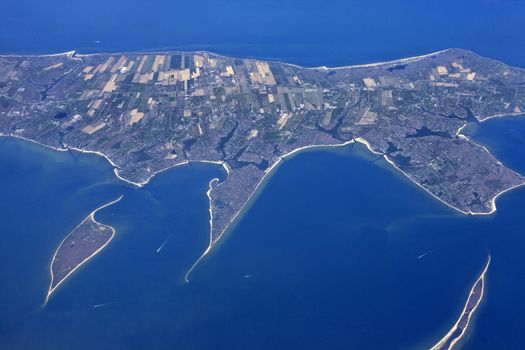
148, 112
83, 243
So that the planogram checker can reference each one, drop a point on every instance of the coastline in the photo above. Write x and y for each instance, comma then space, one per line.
502, 115
65, 53
210, 243
268, 172
267, 175
465, 137
275, 165
454, 328
91, 216
74, 53
244, 206
115, 167
389, 161
376, 64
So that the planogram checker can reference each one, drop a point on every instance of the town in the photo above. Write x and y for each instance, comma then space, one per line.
147, 112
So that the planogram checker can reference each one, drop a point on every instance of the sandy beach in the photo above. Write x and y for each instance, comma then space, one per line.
443, 341
91, 217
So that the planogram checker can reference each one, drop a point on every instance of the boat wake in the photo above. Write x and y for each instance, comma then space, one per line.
163, 244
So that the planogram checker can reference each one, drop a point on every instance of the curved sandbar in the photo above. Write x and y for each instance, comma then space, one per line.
83, 243
267, 173
459, 329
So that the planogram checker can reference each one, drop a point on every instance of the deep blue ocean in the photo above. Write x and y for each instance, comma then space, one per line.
325, 258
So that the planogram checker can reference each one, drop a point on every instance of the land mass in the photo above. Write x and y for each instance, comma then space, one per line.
83, 243
148, 112
460, 327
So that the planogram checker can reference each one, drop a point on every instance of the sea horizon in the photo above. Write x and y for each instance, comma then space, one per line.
337, 250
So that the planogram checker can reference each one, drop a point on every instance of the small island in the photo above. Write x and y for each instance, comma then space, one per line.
474, 299
83, 243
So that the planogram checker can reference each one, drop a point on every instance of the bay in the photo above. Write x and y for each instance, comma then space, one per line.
327, 256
